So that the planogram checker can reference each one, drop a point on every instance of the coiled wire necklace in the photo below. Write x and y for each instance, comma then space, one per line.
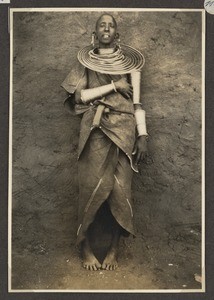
125, 59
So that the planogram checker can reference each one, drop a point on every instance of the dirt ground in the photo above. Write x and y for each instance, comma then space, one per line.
166, 254
170, 261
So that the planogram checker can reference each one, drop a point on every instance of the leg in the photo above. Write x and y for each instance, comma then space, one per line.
89, 260
110, 262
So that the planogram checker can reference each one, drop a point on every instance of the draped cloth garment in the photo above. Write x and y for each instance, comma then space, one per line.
104, 152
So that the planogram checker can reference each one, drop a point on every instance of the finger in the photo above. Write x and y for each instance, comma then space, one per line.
141, 157
130, 92
126, 95
130, 87
134, 150
137, 158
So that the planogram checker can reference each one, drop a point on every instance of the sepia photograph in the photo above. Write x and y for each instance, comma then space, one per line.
107, 129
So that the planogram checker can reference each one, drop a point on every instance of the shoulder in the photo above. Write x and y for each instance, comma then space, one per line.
71, 80
77, 69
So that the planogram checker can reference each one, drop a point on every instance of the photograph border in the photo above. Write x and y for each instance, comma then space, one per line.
58, 9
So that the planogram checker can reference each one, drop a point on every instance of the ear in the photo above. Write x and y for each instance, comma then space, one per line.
93, 37
117, 36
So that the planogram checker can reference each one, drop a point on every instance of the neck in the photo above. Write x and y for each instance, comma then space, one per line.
106, 46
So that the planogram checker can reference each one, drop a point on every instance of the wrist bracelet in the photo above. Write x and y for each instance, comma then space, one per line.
136, 105
146, 136
140, 117
114, 87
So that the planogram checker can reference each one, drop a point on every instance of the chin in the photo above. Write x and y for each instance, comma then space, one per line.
106, 43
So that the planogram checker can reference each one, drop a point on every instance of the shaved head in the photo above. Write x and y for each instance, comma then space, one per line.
103, 15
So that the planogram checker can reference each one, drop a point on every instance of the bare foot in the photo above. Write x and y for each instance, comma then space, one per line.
91, 263
89, 260
110, 262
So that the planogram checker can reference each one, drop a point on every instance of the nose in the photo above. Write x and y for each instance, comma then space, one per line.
106, 27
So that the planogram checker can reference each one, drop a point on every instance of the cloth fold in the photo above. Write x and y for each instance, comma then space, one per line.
104, 175
106, 142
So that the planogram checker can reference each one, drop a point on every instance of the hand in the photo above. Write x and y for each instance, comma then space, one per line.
140, 149
123, 87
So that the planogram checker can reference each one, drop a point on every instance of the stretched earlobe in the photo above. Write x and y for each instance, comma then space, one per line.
93, 36
117, 39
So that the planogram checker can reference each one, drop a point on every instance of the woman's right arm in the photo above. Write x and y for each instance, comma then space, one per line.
89, 95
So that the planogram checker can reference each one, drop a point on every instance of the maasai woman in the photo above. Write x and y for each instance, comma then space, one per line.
100, 85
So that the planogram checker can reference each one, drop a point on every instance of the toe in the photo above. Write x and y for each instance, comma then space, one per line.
103, 266
94, 268
98, 265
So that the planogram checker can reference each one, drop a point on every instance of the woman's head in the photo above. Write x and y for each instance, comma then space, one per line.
106, 31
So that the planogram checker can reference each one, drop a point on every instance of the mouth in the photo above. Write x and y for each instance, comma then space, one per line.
106, 36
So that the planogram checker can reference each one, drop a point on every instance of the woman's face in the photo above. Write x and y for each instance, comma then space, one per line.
106, 31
